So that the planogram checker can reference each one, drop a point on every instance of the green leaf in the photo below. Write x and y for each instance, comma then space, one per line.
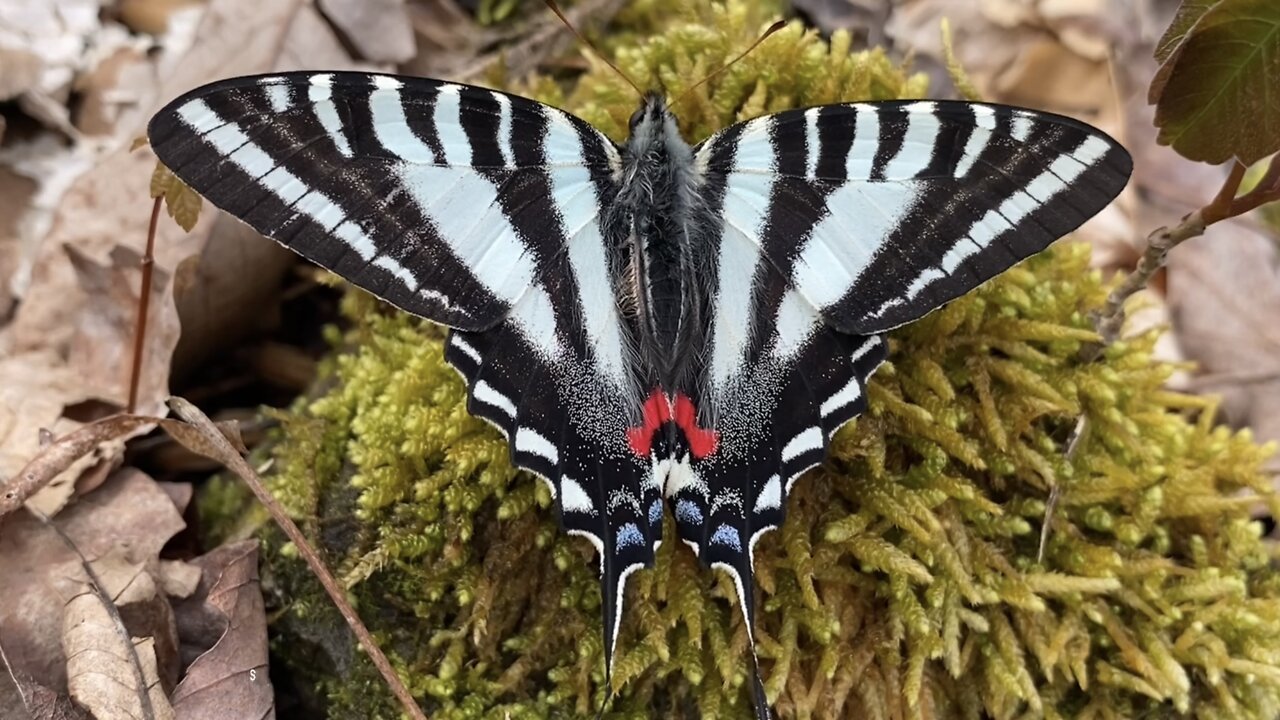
181, 201
1189, 13
1220, 98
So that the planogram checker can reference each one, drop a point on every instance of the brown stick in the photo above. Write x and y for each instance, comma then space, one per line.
1110, 319
144, 308
219, 449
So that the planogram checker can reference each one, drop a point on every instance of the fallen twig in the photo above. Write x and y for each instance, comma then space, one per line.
203, 437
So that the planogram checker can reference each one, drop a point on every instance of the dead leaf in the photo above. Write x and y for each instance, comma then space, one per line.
57, 457
229, 679
101, 675
153, 16
378, 29
19, 71
129, 514
34, 388
22, 698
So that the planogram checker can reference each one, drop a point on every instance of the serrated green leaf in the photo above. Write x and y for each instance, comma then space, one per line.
183, 204
1221, 97
161, 178
1166, 53
1189, 13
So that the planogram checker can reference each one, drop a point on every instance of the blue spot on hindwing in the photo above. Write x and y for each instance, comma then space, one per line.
655, 513
687, 511
629, 534
726, 535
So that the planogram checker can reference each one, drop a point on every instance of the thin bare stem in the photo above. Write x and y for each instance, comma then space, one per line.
22, 691
1110, 319
144, 308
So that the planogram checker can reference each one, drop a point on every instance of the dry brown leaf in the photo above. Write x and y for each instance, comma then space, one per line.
75, 344
101, 674
229, 678
378, 29
35, 386
19, 71
58, 456
128, 514
24, 699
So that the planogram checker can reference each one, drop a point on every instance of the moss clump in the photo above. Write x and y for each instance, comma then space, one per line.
905, 582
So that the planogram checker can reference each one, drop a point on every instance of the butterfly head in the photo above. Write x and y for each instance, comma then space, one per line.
655, 136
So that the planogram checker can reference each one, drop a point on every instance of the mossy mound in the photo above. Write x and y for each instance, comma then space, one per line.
906, 581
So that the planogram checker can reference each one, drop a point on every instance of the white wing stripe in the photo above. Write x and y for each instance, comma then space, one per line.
320, 94
390, 125
866, 141
770, 496
795, 323
860, 217
487, 394
572, 193
448, 122
811, 142
845, 397
746, 204
803, 442
918, 142
574, 499
504, 129
466, 348
984, 128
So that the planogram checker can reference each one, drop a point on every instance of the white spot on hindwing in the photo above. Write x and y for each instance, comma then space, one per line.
574, 498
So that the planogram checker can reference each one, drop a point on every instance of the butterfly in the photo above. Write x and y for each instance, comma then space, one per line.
655, 324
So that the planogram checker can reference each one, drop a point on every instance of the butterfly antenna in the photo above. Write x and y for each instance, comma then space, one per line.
772, 29
560, 14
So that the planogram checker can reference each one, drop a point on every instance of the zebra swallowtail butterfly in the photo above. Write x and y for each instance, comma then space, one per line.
652, 324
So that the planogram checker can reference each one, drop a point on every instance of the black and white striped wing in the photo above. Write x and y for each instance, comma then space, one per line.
841, 222
879, 213
472, 208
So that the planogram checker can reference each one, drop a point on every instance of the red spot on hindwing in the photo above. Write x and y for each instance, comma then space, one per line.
702, 442
655, 411
658, 408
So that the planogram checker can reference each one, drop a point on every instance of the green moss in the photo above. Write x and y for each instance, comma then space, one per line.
905, 582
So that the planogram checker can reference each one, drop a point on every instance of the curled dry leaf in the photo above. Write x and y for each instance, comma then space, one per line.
57, 456
109, 672
378, 29
129, 516
226, 621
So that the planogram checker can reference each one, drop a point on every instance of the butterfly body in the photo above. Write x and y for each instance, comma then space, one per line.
653, 325
660, 212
